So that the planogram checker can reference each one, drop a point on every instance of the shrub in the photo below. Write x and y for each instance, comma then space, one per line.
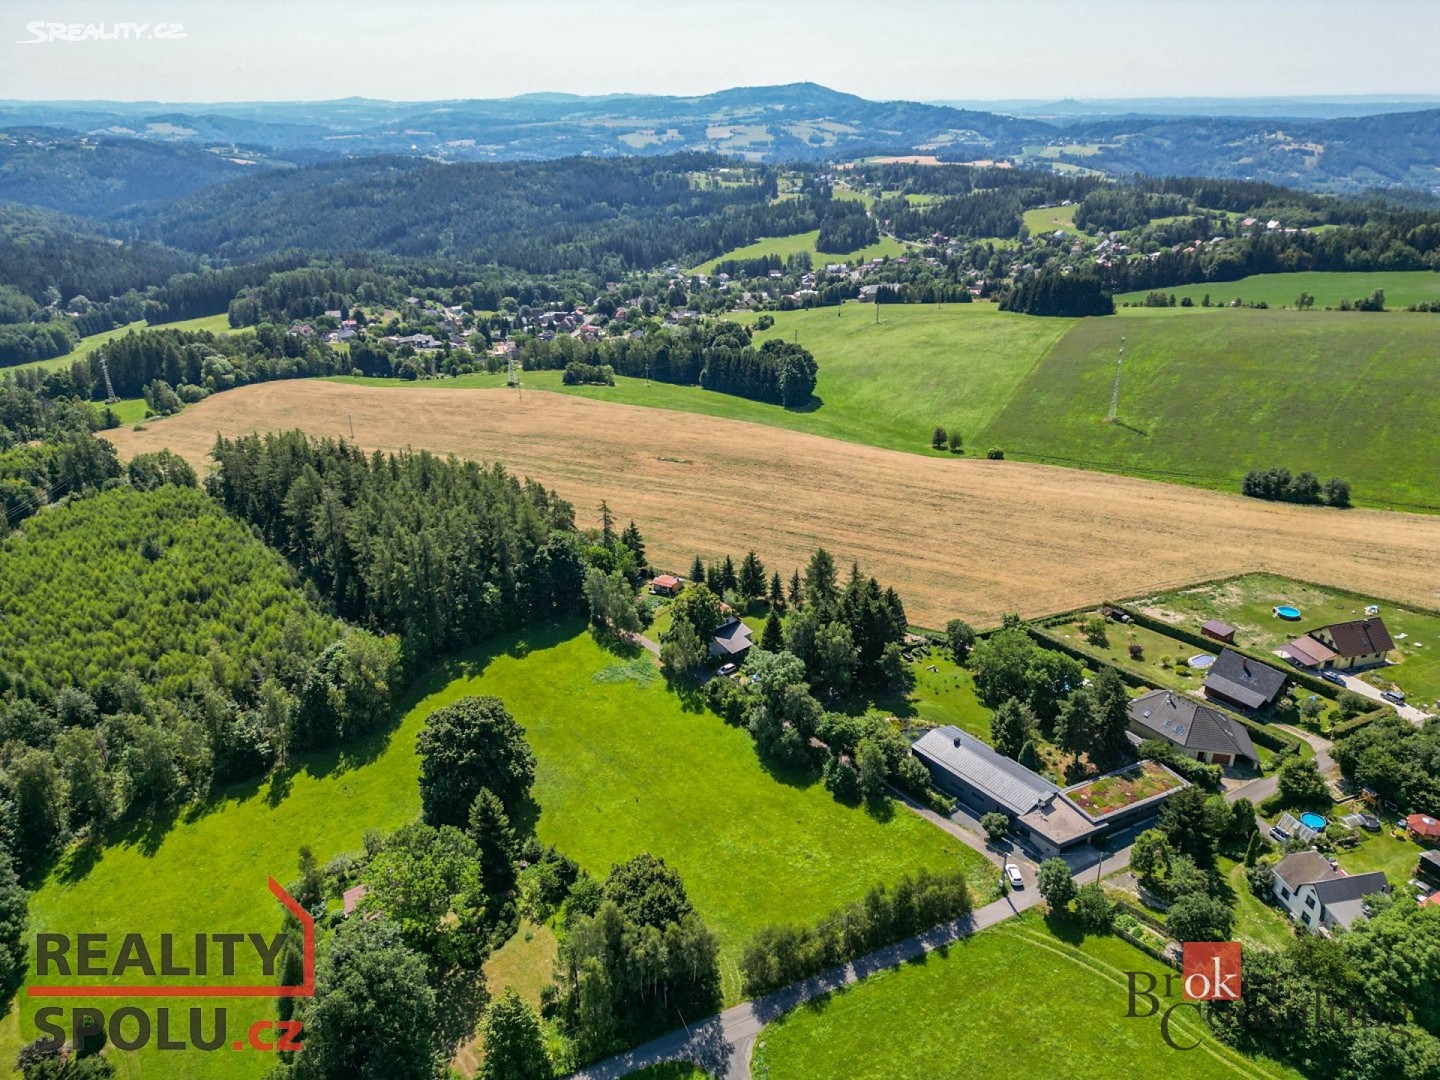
955, 442
937, 438
995, 454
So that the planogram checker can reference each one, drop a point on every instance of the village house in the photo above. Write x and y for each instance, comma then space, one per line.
666, 585
1237, 680
1343, 646
1196, 730
731, 641
1320, 896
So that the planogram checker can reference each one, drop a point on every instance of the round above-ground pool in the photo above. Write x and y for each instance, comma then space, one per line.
1202, 661
1312, 821
1288, 613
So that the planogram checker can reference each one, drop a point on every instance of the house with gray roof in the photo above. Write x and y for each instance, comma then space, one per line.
731, 640
1194, 729
1319, 895
1237, 680
984, 780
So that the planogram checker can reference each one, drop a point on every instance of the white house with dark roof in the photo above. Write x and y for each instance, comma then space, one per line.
1194, 729
1319, 896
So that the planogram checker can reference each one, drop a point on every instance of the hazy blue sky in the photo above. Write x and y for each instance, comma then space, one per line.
921, 49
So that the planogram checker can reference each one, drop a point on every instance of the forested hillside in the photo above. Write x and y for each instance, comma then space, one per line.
441, 551
540, 216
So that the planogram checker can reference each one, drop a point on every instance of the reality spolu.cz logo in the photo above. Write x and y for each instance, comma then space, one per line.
82, 959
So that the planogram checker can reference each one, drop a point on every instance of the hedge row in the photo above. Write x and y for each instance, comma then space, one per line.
1313, 683
1266, 736
1355, 723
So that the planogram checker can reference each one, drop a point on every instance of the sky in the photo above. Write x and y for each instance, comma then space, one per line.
263, 50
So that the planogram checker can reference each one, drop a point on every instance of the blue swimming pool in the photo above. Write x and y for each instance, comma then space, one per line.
1288, 613
1312, 821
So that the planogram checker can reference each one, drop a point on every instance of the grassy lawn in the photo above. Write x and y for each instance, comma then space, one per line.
947, 696
525, 962
1012, 1001
785, 246
1402, 288
623, 769
1246, 603
1205, 400
1256, 922
1046, 220
216, 324
1382, 851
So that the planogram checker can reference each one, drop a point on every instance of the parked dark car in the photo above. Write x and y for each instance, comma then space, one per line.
1395, 697
1333, 677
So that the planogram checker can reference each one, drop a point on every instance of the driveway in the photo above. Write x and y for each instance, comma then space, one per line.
1364, 689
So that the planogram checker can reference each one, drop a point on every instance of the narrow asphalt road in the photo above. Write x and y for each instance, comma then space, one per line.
1364, 689
723, 1045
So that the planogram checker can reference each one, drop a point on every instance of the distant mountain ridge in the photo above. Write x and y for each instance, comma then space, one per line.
98, 158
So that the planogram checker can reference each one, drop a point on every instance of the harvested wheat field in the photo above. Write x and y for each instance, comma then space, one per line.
960, 537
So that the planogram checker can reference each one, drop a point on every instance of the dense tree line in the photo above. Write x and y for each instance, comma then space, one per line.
779, 955
1051, 292
1280, 486
717, 355
845, 226
440, 551
1396, 759
636, 959
1111, 209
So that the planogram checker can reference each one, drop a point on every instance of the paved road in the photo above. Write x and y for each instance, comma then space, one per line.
722, 1045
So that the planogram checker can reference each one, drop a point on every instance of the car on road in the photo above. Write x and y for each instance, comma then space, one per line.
1333, 676
727, 670
1012, 875
1395, 697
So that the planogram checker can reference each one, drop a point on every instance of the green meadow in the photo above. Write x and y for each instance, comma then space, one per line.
1011, 1001
785, 246
623, 768
1402, 288
1204, 399
216, 324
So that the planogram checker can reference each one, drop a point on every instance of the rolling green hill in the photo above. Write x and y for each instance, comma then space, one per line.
1206, 398
1402, 289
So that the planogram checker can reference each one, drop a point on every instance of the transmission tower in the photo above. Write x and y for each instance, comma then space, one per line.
110, 398
1115, 390
512, 373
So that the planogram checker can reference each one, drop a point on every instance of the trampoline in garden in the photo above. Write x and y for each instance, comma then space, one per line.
1288, 613
1312, 821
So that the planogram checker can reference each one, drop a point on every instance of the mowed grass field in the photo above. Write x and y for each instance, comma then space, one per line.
216, 324
956, 536
1206, 398
1012, 1001
794, 243
1402, 288
622, 769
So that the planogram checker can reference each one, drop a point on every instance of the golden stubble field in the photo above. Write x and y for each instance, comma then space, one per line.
957, 537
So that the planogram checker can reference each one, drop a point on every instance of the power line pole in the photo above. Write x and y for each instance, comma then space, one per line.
1115, 390
351, 417
110, 398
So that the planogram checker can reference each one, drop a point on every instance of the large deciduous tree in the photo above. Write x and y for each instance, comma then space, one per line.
474, 743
